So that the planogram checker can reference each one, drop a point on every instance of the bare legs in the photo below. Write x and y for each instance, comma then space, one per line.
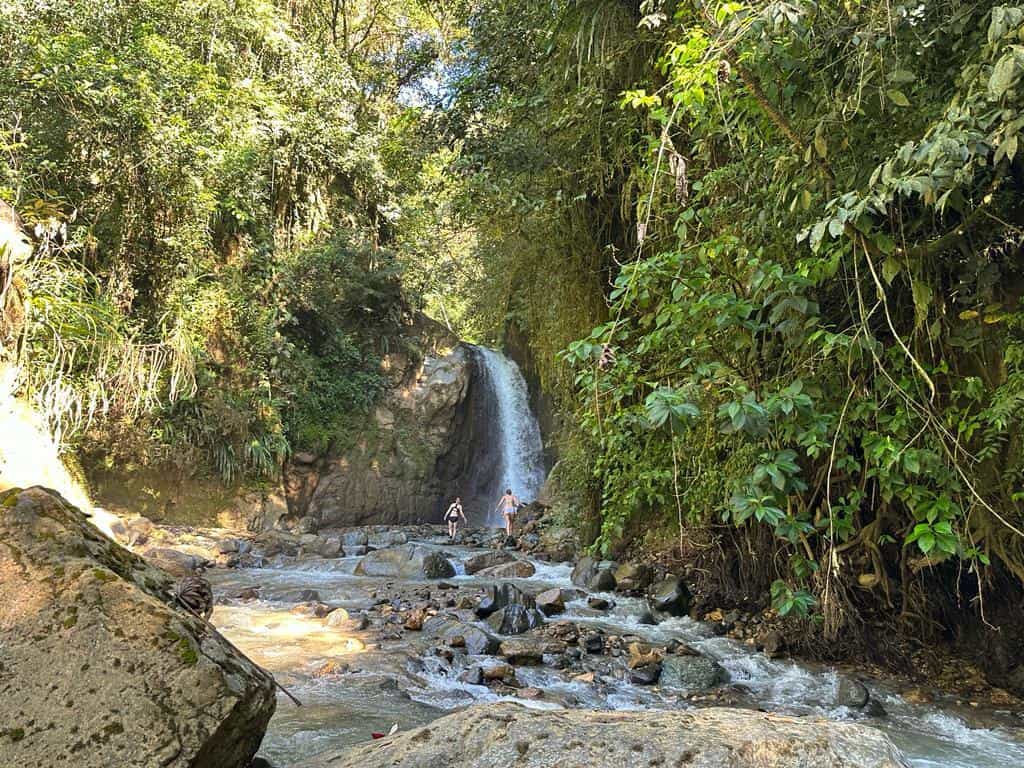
508, 524
453, 527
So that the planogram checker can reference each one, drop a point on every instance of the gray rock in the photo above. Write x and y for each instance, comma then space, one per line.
381, 539
141, 683
472, 676
529, 650
500, 596
515, 619
488, 560
174, 562
516, 569
632, 577
552, 601
511, 736
692, 674
596, 576
446, 628
646, 674
671, 596
354, 539
408, 561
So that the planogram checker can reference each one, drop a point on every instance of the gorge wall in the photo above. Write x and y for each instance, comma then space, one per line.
434, 434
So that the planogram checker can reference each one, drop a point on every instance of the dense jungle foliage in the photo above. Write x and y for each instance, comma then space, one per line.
795, 228
221, 194
767, 257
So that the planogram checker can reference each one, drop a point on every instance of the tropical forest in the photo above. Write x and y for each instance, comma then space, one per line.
492, 384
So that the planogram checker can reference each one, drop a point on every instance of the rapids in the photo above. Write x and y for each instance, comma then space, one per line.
401, 681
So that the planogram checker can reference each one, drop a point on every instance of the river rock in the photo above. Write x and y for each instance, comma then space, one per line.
174, 562
488, 560
645, 674
552, 601
596, 576
529, 650
633, 577
515, 619
671, 596
472, 676
381, 539
408, 561
692, 674
341, 620
517, 569
853, 694
358, 538
446, 628
511, 736
89, 642
499, 596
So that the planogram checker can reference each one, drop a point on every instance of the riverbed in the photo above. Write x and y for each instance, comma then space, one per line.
374, 680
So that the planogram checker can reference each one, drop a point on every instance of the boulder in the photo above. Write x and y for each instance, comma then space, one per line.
632, 577
355, 539
488, 560
381, 539
408, 561
692, 674
596, 576
772, 643
529, 650
142, 684
500, 596
645, 674
517, 569
552, 601
343, 621
174, 562
447, 628
515, 619
671, 596
511, 736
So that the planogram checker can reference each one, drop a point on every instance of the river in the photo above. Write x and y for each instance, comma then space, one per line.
401, 681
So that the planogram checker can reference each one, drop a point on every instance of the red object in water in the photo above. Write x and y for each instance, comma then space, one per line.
378, 735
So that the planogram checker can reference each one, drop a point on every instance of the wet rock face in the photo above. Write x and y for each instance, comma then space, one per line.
406, 562
430, 437
87, 640
510, 736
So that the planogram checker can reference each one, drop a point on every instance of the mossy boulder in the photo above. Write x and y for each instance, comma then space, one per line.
97, 668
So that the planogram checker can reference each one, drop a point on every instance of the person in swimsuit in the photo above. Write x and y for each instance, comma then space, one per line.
508, 504
452, 517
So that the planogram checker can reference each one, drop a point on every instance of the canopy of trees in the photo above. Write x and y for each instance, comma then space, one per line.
767, 256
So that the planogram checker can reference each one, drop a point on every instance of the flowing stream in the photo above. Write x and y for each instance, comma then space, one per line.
522, 450
400, 681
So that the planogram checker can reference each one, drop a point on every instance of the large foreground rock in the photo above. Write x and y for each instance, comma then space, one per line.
510, 736
96, 670
408, 561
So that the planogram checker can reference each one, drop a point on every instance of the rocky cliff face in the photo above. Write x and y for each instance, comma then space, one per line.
431, 437
430, 440
97, 669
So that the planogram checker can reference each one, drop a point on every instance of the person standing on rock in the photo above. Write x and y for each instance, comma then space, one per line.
508, 504
452, 517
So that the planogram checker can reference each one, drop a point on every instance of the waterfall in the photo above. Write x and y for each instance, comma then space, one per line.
521, 451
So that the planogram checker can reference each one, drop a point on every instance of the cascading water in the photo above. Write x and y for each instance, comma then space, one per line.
521, 464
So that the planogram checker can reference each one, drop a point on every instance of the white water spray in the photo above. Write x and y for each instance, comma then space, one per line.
522, 451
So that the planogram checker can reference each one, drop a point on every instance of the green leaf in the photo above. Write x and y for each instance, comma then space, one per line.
890, 268
898, 98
